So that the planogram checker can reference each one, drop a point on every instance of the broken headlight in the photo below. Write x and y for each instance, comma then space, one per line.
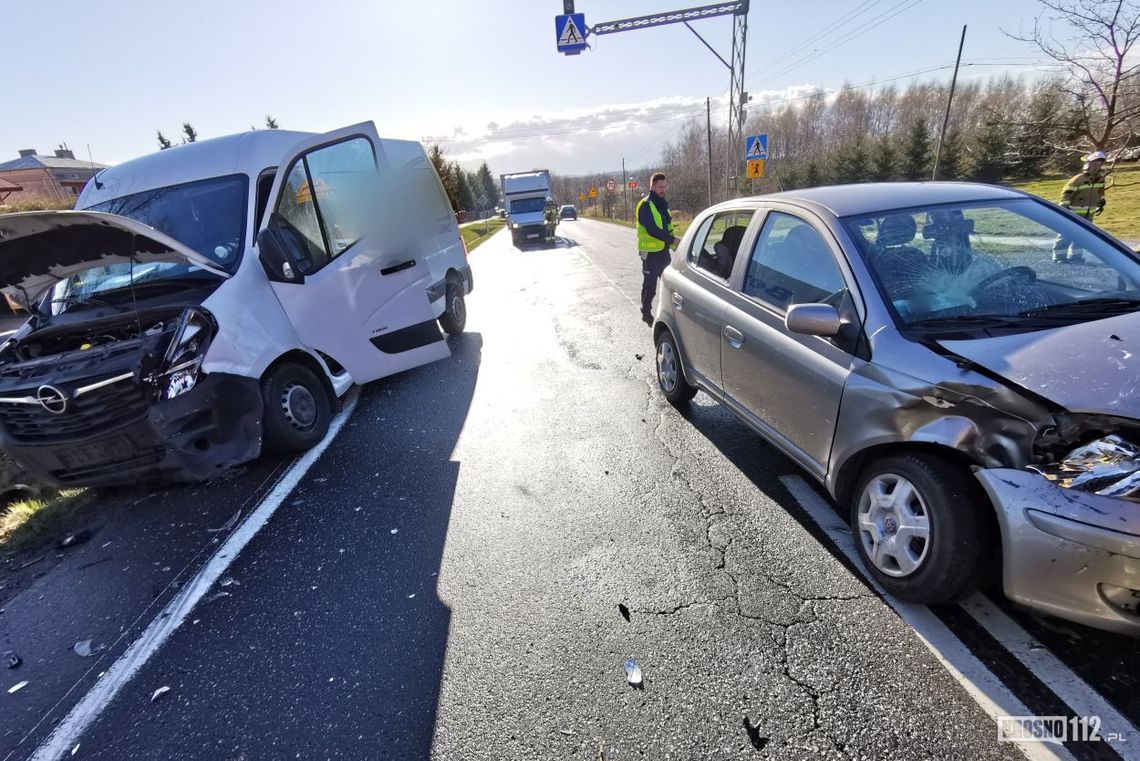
1109, 466
183, 362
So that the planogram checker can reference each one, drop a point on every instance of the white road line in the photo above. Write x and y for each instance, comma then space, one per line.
1076, 692
66, 734
978, 681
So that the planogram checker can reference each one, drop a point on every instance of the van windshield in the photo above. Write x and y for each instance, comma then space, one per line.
207, 215
527, 205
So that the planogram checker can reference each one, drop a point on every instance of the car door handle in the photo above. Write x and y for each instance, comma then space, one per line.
398, 267
678, 300
735, 337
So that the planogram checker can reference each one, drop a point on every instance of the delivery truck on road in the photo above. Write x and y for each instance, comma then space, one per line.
525, 195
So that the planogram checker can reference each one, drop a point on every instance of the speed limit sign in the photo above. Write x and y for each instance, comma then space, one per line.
611, 185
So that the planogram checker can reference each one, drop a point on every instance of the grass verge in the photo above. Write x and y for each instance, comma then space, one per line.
681, 221
39, 520
475, 235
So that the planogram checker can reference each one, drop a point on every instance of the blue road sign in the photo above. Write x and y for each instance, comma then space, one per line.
570, 32
756, 147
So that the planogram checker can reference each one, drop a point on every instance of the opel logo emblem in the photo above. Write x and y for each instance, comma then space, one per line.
52, 399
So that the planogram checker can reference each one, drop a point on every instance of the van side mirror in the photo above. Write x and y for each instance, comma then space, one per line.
813, 320
272, 248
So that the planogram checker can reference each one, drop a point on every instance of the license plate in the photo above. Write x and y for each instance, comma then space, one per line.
532, 235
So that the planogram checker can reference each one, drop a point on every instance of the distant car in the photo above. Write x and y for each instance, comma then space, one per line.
568, 212
501, 213
955, 363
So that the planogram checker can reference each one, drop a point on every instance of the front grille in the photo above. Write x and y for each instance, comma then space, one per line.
85, 464
94, 412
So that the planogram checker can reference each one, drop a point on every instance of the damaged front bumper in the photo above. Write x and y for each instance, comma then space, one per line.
1070, 553
195, 436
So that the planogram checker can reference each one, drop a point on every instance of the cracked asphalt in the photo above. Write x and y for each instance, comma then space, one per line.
465, 570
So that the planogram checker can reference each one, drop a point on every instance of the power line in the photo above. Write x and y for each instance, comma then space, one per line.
858, 10
859, 31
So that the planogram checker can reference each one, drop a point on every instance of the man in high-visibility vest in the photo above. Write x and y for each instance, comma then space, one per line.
1082, 195
654, 237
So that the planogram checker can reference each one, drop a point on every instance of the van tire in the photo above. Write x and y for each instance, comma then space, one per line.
454, 317
296, 409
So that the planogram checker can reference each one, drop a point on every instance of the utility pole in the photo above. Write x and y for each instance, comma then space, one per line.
708, 128
624, 189
949, 100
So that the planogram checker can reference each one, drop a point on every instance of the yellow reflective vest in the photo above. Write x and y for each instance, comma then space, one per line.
645, 241
1084, 193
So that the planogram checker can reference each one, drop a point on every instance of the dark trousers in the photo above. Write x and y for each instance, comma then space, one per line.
654, 264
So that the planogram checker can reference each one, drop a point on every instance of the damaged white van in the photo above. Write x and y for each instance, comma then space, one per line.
211, 300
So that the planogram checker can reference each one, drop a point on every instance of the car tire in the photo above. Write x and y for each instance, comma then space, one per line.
454, 317
297, 409
670, 376
933, 504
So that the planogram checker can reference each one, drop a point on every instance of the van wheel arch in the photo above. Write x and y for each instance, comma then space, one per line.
308, 361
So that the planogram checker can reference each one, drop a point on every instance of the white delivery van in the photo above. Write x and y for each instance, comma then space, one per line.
525, 195
209, 300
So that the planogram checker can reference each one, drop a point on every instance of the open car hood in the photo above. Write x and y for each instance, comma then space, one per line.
39, 248
1091, 367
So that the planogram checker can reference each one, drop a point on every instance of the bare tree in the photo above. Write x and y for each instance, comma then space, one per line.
1098, 38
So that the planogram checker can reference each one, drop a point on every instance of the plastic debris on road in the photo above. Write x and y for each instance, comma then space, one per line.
73, 540
395, 531
159, 693
84, 649
216, 595
227, 525
229, 581
17, 687
633, 673
12, 660
75, 749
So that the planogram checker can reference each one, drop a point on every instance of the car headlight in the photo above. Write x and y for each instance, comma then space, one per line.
514, 225
183, 362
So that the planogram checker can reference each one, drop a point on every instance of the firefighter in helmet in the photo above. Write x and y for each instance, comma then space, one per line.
1083, 195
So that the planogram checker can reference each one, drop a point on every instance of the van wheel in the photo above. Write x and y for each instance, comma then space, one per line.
297, 410
920, 528
454, 317
670, 376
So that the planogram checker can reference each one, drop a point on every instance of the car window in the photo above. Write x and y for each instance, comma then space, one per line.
325, 203
1016, 260
792, 264
717, 242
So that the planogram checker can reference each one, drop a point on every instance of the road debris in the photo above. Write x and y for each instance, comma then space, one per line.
229, 581
17, 687
227, 525
753, 732
623, 610
75, 749
12, 659
633, 674
84, 649
413, 594
33, 561
395, 531
74, 540
216, 596
159, 693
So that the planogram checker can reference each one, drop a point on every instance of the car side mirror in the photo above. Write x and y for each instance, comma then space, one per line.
272, 248
814, 320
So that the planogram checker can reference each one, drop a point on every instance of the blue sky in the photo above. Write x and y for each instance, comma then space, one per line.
109, 74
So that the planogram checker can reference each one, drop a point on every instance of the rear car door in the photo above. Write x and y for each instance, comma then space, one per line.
786, 384
697, 291
359, 275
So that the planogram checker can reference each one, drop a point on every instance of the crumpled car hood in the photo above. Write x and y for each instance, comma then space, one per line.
1091, 367
38, 248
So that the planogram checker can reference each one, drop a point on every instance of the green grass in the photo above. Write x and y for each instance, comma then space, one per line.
474, 235
1121, 215
36, 521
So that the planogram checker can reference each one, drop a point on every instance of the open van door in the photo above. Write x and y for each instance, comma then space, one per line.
352, 277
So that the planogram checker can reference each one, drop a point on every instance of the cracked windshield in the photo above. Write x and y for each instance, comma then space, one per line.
570, 380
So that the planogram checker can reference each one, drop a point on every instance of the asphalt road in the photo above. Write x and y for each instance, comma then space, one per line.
463, 571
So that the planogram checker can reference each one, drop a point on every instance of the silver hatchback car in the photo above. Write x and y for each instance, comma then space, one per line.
957, 364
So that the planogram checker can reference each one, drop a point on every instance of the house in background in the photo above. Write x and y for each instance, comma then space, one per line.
32, 177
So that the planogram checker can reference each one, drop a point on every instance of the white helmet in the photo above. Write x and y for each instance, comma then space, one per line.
1094, 156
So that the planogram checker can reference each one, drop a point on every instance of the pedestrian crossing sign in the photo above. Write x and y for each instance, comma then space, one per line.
755, 169
756, 147
571, 32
